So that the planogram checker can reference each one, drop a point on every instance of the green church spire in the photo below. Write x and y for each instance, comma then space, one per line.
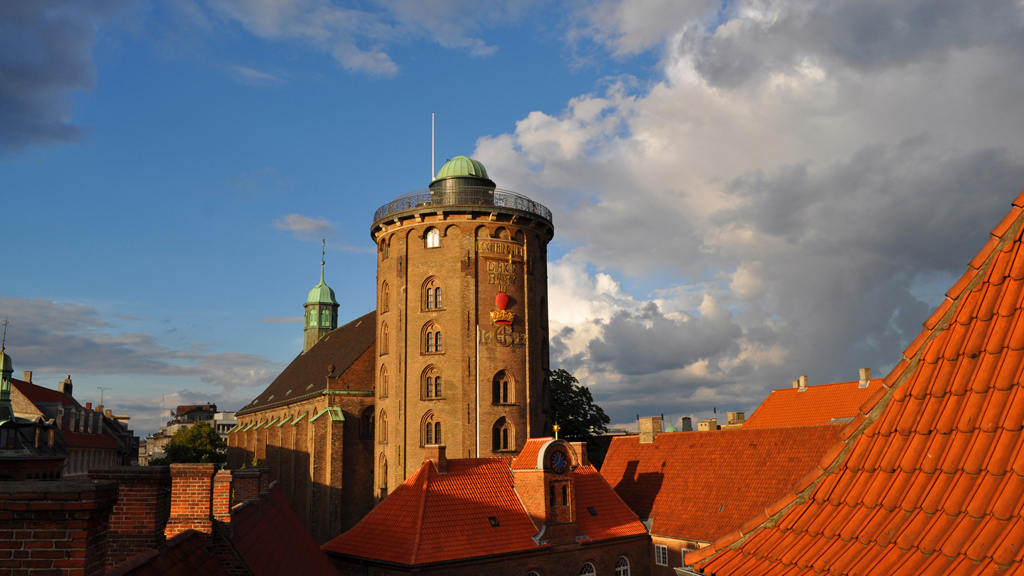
321, 308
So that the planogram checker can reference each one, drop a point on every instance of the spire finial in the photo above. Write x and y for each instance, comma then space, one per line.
4, 341
323, 252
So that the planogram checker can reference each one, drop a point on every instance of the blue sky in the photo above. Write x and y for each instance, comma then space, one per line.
742, 193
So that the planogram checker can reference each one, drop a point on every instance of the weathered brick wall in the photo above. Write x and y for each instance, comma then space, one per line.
191, 498
138, 519
246, 485
55, 527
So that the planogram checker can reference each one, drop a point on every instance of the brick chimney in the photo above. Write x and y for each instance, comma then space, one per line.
65, 386
436, 454
191, 498
137, 520
28, 376
581, 452
650, 427
865, 377
686, 424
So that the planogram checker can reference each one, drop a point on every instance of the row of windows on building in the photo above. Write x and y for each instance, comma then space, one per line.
325, 318
433, 339
431, 239
430, 296
503, 435
503, 389
80, 461
589, 569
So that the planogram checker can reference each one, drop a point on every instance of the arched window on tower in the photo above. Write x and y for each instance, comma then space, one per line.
431, 429
503, 388
503, 436
382, 345
431, 383
385, 297
431, 299
312, 318
382, 428
325, 318
382, 384
382, 477
432, 339
433, 238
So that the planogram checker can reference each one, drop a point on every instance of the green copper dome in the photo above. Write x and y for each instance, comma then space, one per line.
671, 428
321, 293
462, 166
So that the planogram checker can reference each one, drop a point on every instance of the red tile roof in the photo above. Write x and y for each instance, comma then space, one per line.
435, 517
37, 394
185, 409
84, 440
701, 485
929, 478
815, 406
271, 539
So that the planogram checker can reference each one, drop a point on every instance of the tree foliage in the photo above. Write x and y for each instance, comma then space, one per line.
579, 418
196, 444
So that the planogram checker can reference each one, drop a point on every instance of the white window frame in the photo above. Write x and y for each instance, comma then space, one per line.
584, 569
622, 566
661, 555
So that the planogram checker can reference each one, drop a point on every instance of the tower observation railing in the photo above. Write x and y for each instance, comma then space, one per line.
464, 196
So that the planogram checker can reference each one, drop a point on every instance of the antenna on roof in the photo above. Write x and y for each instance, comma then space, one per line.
432, 171
101, 393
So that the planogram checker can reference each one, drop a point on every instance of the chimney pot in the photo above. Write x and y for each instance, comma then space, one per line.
28, 376
687, 424
796, 383
88, 405
581, 452
803, 383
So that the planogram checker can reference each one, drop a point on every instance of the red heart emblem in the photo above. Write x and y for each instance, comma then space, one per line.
501, 300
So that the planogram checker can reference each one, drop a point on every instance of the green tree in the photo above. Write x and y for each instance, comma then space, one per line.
197, 443
579, 419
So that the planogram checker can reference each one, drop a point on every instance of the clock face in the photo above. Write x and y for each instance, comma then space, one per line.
559, 461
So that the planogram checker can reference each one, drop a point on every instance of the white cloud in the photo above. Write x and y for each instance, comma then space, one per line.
306, 228
808, 167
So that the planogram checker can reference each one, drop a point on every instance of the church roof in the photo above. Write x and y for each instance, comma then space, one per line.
929, 478
816, 405
306, 376
436, 517
701, 485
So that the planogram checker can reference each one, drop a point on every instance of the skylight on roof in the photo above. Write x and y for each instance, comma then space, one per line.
592, 510
494, 521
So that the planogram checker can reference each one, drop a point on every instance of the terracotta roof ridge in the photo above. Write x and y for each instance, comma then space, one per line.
936, 324
424, 470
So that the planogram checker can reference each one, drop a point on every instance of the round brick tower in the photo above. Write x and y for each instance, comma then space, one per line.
462, 321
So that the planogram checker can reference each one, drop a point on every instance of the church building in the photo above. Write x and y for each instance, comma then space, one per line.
455, 354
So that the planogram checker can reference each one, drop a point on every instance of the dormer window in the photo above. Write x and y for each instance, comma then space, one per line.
433, 238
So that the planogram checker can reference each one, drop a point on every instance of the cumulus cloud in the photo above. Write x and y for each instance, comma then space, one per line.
812, 169
45, 56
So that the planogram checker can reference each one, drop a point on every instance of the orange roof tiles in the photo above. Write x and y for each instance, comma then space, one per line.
929, 479
436, 517
701, 485
815, 406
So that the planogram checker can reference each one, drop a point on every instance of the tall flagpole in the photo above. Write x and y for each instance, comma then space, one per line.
432, 167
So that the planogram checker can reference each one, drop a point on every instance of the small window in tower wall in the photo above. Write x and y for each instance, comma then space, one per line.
437, 342
325, 317
661, 555
433, 238
312, 317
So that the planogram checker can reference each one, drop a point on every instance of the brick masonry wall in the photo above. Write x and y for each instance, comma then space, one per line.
55, 527
191, 498
138, 519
